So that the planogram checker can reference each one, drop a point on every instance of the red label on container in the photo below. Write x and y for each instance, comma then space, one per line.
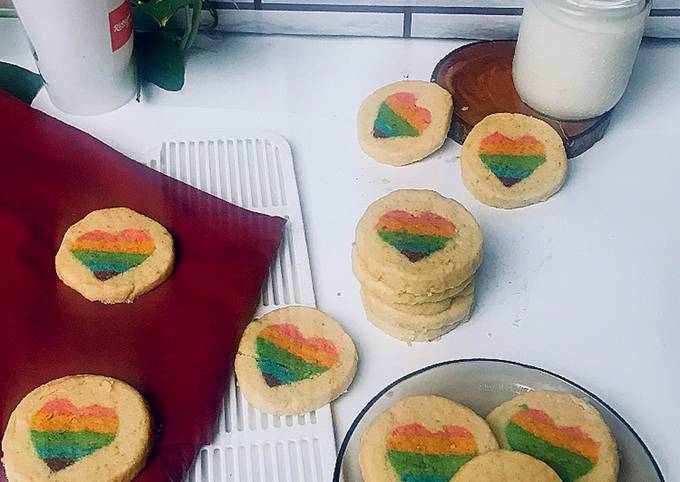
120, 23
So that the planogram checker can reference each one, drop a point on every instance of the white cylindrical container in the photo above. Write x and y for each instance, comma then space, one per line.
83, 49
574, 57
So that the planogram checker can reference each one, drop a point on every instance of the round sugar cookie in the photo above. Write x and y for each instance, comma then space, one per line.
421, 309
410, 327
404, 122
80, 427
505, 466
513, 160
294, 360
422, 438
115, 255
418, 241
384, 291
560, 429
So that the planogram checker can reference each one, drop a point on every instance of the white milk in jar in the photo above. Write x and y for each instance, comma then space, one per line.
83, 49
574, 57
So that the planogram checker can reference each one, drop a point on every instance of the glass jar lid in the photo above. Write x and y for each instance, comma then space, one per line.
603, 8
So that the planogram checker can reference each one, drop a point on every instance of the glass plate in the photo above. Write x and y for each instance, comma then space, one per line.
482, 385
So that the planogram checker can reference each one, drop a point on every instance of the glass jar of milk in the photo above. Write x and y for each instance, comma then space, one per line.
574, 57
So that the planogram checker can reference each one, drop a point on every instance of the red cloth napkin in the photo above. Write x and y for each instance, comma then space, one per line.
176, 344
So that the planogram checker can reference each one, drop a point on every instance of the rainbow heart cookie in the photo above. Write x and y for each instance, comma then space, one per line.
78, 428
568, 450
63, 434
110, 254
294, 360
399, 116
404, 122
416, 236
511, 159
419, 455
285, 356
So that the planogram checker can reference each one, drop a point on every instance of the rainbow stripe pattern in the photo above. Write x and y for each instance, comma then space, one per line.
416, 236
568, 450
399, 116
511, 160
63, 434
419, 455
110, 254
285, 356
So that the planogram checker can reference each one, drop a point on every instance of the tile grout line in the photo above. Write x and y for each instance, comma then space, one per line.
408, 20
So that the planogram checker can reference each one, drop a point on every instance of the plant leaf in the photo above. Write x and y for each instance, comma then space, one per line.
159, 60
160, 10
19, 82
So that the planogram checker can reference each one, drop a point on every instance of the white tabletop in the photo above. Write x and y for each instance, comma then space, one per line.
583, 285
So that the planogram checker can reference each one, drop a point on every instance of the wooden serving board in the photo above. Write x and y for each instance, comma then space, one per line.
479, 77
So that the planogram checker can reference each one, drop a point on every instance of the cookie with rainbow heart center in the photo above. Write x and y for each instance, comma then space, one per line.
294, 360
416, 453
115, 255
63, 434
109, 254
285, 356
513, 160
505, 466
410, 327
563, 431
81, 427
418, 241
422, 439
400, 116
415, 235
404, 122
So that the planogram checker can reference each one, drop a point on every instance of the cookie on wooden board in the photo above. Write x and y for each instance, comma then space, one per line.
505, 466
562, 430
404, 122
115, 255
294, 360
513, 160
422, 438
80, 427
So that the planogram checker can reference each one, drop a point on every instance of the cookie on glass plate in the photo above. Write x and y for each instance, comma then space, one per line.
426, 438
562, 430
505, 466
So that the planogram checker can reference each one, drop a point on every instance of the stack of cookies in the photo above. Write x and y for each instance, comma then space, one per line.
415, 255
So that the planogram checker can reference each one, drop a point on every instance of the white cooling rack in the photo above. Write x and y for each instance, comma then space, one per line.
256, 172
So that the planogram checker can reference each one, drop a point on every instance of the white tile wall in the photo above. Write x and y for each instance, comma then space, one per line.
482, 27
396, 18
419, 18
663, 27
408, 3
666, 3
313, 23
